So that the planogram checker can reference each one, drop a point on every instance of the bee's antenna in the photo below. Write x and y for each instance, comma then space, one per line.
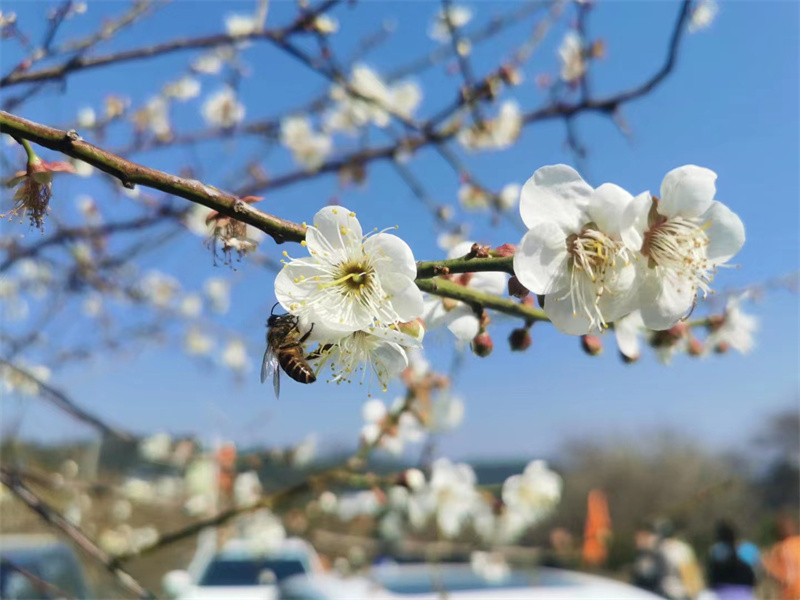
272, 311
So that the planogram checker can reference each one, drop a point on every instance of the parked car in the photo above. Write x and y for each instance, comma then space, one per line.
428, 581
240, 571
47, 559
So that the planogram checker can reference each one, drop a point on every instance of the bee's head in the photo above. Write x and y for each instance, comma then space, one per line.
273, 320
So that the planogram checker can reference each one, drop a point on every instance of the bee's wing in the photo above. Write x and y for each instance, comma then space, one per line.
271, 366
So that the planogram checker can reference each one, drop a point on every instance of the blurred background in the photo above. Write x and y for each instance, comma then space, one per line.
133, 330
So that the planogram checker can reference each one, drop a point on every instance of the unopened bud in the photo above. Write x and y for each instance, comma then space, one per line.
715, 322
510, 75
505, 250
520, 339
516, 289
721, 348
678, 331
598, 49
695, 347
414, 479
591, 344
482, 345
449, 304
414, 328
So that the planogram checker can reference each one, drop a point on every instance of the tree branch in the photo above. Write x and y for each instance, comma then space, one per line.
130, 174
10, 478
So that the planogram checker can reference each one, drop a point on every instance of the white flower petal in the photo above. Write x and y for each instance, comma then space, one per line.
627, 331
725, 235
634, 221
687, 191
390, 253
606, 207
541, 260
664, 300
463, 324
564, 317
491, 282
405, 296
340, 227
373, 411
390, 360
555, 194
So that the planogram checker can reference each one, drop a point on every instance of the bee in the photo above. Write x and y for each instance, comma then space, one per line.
285, 351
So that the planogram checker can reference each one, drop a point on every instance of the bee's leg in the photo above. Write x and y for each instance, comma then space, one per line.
306, 334
318, 352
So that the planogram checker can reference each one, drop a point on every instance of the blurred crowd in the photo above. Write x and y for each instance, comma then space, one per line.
666, 564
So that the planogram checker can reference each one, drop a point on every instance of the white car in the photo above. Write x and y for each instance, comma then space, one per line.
240, 571
460, 582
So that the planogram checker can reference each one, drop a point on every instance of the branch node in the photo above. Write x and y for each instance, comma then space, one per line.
72, 136
440, 270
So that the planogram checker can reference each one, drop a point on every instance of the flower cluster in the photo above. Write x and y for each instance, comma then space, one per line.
597, 255
355, 295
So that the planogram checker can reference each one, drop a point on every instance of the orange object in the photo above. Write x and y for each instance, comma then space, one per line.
226, 462
598, 530
783, 563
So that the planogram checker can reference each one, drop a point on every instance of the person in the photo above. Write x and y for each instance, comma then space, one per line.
782, 562
648, 566
728, 575
683, 578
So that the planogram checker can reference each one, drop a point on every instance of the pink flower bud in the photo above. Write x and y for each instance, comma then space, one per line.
482, 345
592, 345
721, 348
516, 289
505, 250
520, 339
695, 347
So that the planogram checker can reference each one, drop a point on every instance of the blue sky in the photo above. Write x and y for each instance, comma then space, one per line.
731, 105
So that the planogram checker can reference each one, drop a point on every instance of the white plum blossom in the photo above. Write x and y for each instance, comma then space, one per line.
572, 56
508, 197
155, 117
457, 316
223, 109
494, 134
473, 197
735, 330
459, 16
447, 412
681, 238
195, 220
247, 489
534, 494
372, 102
349, 506
87, 117
491, 566
156, 448
191, 306
380, 352
350, 281
573, 253
627, 331
377, 419
263, 531
197, 343
240, 25
14, 380
703, 15
450, 497
183, 89
209, 63
304, 453
159, 288
234, 356
308, 148
218, 291
326, 24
